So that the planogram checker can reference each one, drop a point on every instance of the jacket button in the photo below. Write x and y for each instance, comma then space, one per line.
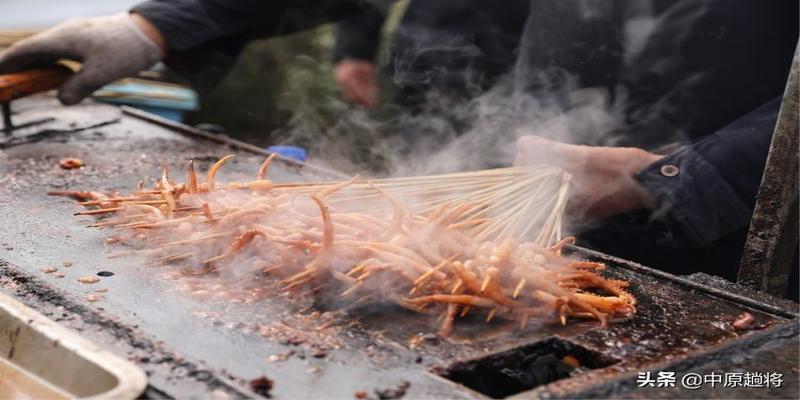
669, 170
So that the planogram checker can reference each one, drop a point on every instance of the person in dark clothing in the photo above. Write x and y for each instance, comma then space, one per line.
691, 68
694, 67
457, 48
198, 39
680, 69
684, 212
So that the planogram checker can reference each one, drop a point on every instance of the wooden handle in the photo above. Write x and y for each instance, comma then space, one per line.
32, 81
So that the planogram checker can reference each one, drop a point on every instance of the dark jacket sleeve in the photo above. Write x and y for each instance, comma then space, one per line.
359, 37
204, 37
707, 189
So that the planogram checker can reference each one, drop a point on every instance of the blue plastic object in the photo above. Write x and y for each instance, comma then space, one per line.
167, 100
295, 152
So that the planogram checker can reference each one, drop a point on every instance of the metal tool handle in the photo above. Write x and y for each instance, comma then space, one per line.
24, 83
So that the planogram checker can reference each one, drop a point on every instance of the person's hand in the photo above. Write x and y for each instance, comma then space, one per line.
603, 177
356, 79
109, 48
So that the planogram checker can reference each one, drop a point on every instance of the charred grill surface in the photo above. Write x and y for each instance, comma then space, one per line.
305, 348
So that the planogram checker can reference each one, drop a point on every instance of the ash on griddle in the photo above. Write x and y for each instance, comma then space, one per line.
318, 332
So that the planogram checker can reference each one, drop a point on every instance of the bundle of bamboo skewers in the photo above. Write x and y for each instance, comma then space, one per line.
447, 244
519, 202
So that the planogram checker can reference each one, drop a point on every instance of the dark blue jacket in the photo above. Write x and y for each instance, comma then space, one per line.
705, 73
707, 188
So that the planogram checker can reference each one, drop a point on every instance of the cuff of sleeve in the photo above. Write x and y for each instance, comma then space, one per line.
185, 35
196, 52
694, 197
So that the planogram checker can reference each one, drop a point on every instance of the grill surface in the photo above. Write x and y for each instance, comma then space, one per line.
191, 346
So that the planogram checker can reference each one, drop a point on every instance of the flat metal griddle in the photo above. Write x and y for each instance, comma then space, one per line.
193, 347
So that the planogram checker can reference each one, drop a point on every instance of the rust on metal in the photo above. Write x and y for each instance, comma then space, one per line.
773, 235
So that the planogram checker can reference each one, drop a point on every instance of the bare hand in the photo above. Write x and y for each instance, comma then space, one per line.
356, 79
603, 177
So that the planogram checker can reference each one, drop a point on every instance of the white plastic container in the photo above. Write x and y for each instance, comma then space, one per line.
41, 359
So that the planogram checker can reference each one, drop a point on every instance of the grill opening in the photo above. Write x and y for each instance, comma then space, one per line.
524, 368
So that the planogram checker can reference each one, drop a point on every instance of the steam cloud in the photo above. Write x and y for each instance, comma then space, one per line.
564, 103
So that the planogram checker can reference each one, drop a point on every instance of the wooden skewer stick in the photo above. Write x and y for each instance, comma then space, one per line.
355, 270
100, 211
109, 200
519, 287
430, 273
465, 311
458, 285
351, 289
272, 268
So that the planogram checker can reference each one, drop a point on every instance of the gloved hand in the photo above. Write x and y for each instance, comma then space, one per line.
356, 79
603, 182
110, 48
